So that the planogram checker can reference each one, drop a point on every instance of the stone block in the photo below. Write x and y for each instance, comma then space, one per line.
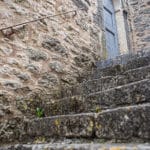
81, 125
124, 123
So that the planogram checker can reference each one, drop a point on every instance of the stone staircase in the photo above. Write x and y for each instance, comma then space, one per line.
112, 106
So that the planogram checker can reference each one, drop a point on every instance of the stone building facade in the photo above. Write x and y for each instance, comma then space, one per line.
43, 53
47, 54
139, 15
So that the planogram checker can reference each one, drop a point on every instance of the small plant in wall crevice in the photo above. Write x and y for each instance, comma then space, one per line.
39, 112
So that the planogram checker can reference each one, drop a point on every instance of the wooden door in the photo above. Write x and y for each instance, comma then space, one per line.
110, 29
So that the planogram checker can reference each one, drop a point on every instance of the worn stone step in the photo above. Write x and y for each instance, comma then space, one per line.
119, 68
121, 59
78, 125
84, 146
116, 66
124, 123
133, 93
105, 83
130, 94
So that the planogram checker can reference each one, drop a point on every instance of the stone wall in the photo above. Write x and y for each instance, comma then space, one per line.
57, 50
40, 57
51, 51
139, 18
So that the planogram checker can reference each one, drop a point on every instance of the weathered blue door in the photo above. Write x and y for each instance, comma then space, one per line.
110, 29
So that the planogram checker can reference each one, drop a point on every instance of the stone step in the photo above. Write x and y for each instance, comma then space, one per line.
105, 83
133, 93
130, 94
124, 123
121, 59
84, 146
119, 68
73, 126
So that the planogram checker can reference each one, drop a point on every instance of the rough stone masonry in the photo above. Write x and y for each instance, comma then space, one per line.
41, 57
139, 16
50, 51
